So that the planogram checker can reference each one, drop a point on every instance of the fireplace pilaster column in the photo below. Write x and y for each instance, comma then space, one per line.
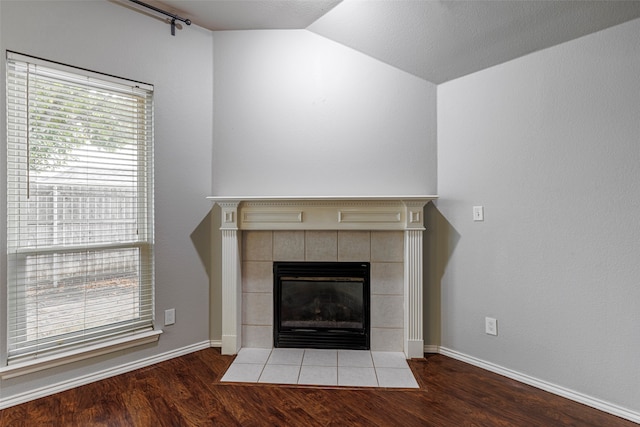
414, 341
413, 259
231, 280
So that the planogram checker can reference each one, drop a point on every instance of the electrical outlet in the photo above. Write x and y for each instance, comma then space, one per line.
169, 316
491, 326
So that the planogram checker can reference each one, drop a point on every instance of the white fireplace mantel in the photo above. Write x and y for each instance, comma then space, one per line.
322, 213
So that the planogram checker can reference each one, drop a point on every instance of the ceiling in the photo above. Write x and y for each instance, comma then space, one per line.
437, 40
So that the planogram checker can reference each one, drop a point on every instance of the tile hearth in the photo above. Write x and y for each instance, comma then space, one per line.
321, 367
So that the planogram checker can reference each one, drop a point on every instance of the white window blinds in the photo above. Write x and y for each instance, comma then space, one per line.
79, 207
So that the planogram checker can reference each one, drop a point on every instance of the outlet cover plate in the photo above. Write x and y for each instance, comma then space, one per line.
490, 326
169, 316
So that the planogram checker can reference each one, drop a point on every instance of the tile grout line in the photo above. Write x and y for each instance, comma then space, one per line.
304, 351
375, 369
262, 370
338, 367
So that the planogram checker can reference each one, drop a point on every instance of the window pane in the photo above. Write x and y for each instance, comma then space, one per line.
71, 292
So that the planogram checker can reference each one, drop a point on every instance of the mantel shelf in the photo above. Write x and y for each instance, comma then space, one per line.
323, 198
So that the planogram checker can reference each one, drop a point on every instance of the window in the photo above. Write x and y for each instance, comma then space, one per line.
79, 208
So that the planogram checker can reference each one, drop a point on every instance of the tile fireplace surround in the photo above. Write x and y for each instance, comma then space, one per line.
386, 231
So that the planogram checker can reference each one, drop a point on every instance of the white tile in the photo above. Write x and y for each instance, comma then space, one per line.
286, 356
387, 311
396, 377
320, 357
387, 339
252, 355
387, 278
257, 276
280, 374
255, 336
318, 375
321, 245
257, 309
389, 359
361, 377
257, 246
243, 372
354, 245
355, 358
387, 246
288, 246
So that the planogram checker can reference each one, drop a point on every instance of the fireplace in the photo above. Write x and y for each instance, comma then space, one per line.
321, 305
386, 231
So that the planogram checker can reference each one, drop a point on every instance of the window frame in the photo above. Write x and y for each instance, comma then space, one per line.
53, 354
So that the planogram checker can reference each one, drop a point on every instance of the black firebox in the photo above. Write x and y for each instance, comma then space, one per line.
321, 305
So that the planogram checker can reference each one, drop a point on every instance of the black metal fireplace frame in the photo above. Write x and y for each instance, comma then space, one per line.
322, 338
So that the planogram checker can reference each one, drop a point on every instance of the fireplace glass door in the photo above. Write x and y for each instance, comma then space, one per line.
321, 305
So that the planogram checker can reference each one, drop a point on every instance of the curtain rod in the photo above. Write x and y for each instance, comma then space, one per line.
164, 12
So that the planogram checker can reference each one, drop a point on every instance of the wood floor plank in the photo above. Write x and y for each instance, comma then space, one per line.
187, 391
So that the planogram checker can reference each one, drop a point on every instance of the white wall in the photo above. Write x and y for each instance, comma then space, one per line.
550, 145
297, 114
108, 37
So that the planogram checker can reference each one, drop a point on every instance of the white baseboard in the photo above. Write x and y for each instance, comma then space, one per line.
544, 385
428, 348
100, 375
215, 343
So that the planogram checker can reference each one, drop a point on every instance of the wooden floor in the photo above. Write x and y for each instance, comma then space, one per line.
187, 392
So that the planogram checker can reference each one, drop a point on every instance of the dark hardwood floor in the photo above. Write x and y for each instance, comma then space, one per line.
187, 391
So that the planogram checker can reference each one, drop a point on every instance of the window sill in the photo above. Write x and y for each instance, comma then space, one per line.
39, 364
